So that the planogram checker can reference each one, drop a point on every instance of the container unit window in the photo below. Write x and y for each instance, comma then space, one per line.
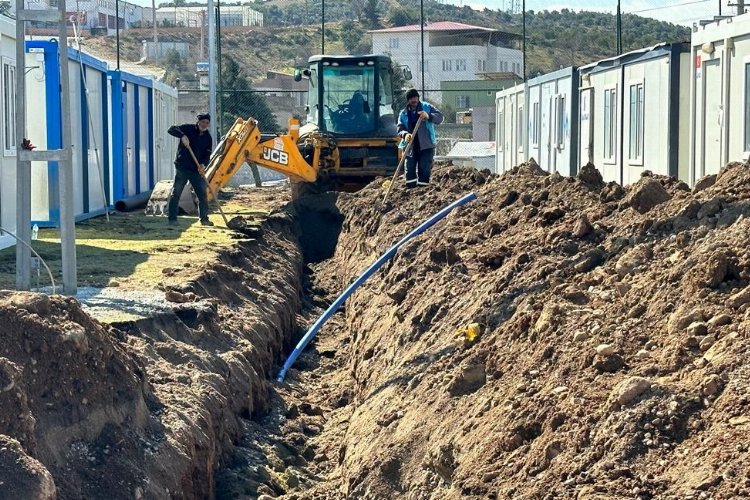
519, 128
447, 64
636, 125
460, 64
9, 107
535, 122
500, 130
560, 121
610, 124
393, 43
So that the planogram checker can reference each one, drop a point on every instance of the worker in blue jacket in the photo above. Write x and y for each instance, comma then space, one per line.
419, 159
198, 138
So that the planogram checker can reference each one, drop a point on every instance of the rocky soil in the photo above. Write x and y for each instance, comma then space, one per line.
557, 338
146, 409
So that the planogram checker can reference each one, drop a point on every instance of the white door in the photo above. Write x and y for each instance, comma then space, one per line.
713, 116
586, 129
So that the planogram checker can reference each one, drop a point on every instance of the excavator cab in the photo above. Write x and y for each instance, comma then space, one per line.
350, 100
350, 96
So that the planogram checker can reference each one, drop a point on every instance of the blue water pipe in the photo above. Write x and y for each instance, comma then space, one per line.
363, 277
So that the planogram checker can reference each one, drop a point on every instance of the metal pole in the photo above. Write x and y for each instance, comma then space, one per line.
67, 196
619, 29
421, 34
212, 65
219, 101
523, 7
117, 31
740, 7
322, 26
23, 168
719, 8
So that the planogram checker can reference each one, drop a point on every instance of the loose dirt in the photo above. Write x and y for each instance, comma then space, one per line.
556, 338
611, 361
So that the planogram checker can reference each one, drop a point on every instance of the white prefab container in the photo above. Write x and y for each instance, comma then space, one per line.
632, 113
510, 129
88, 123
553, 121
165, 115
141, 111
8, 130
719, 95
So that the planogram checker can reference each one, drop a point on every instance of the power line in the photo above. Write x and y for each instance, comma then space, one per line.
668, 6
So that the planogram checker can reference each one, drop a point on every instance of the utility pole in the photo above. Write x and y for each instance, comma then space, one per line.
62, 156
220, 85
212, 66
323, 27
117, 31
203, 36
523, 8
421, 45
619, 29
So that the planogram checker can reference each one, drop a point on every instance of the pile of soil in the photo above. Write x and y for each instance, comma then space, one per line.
613, 349
150, 408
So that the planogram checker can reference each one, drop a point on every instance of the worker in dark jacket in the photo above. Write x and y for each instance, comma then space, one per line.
419, 159
197, 137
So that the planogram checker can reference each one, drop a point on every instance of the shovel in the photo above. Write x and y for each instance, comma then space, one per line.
407, 150
208, 185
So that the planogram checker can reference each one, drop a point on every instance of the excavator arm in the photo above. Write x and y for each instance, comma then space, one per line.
243, 143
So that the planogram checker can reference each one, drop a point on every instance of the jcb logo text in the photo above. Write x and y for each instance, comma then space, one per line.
275, 156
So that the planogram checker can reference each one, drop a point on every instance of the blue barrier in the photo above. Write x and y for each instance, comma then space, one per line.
363, 277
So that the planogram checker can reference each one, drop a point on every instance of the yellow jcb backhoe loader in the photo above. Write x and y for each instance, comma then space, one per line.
349, 137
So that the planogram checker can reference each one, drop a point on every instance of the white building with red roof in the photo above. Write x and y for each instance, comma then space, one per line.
452, 51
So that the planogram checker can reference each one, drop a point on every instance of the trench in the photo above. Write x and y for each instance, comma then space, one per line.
275, 455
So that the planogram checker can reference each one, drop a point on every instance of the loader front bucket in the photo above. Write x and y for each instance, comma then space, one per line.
157, 204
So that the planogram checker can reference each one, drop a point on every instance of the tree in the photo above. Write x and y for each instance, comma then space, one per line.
5, 8
241, 101
353, 37
402, 16
400, 85
174, 66
371, 14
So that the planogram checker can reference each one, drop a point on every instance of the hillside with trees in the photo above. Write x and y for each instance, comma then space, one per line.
292, 33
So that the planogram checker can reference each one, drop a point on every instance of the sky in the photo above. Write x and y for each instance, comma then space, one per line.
678, 11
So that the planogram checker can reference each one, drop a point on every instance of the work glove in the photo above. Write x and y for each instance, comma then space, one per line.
185, 141
202, 169
424, 115
407, 138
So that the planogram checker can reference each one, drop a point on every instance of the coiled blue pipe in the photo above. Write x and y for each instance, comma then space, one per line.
363, 277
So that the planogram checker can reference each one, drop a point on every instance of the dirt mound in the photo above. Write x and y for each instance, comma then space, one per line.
557, 335
145, 409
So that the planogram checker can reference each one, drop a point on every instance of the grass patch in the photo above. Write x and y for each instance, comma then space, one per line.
132, 250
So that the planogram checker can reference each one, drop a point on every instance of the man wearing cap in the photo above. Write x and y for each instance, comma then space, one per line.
197, 137
419, 159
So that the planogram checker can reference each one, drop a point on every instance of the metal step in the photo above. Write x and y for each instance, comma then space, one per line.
42, 155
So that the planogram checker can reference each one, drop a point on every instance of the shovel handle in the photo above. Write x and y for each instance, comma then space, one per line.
407, 149
208, 184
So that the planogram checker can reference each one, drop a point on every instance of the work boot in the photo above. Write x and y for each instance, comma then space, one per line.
172, 222
206, 222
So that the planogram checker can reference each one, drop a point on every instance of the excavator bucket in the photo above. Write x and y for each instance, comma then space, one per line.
157, 203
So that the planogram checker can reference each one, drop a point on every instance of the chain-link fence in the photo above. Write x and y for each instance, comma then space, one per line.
459, 57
